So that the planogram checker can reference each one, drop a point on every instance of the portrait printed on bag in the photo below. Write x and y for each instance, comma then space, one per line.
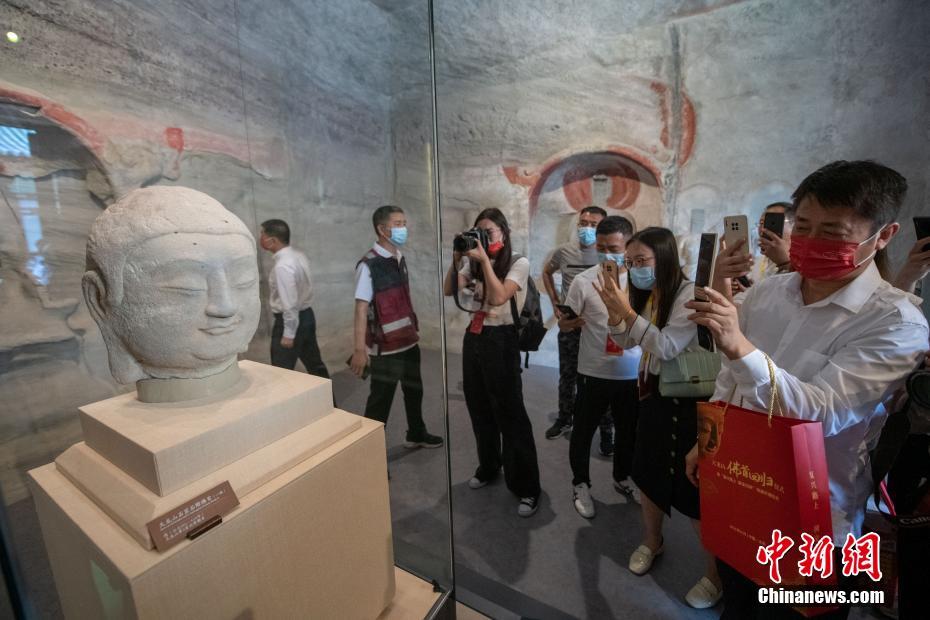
710, 428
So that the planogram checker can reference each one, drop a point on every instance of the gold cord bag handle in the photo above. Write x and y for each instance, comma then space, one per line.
774, 398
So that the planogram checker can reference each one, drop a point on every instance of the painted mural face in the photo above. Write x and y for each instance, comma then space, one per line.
172, 282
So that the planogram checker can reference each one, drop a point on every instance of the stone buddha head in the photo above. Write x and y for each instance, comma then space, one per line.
172, 282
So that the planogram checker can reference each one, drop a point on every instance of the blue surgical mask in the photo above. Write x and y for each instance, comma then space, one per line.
643, 278
399, 235
587, 236
617, 258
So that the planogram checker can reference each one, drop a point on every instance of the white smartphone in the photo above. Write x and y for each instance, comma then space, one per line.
736, 228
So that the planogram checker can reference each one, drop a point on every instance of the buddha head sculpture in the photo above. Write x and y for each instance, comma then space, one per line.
172, 282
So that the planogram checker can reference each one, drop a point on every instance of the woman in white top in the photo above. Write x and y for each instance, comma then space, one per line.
653, 316
491, 361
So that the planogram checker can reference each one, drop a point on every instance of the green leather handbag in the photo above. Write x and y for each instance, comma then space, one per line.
690, 375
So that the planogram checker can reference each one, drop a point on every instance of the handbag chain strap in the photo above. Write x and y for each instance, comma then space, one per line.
774, 399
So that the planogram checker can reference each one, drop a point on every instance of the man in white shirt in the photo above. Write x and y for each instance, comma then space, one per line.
841, 338
569, 260
386, 329
607, 372
293, 335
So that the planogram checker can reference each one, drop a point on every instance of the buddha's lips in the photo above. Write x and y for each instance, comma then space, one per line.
220, 329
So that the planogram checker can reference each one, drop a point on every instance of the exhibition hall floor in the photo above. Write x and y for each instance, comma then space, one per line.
553, 565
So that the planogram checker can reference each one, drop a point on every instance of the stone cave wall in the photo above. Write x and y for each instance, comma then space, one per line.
276, 109
722, 106
317, 112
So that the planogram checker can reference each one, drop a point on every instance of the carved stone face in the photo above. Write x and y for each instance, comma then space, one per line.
180, 297
190, 301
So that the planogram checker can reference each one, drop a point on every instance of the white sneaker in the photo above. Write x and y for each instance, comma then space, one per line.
528, 506
476, 483
704, 594
583, 502
642, 559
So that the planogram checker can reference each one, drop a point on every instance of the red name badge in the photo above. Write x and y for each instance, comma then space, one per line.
612, 348
477, 322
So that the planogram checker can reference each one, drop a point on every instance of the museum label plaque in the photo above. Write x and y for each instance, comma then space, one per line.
193, 517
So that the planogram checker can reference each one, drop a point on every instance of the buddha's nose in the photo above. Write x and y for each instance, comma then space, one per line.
220, 302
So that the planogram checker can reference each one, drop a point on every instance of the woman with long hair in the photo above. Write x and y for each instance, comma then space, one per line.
491, 361
653, 315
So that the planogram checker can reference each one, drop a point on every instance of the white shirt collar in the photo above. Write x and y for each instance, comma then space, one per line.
852, 296
381, 251
283, 252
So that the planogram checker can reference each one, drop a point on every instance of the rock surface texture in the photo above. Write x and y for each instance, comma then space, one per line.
670, 110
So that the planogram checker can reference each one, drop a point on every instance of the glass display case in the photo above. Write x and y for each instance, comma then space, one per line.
277, 110
670, 114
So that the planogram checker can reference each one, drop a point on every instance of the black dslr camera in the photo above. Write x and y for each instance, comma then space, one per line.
469, 240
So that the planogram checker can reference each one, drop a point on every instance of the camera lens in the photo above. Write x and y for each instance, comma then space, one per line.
463, 243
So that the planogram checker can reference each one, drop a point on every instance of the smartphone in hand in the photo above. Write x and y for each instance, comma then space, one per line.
922, 228
567, 312
612, 270
365, 373
735, 229
707, 256
774, 223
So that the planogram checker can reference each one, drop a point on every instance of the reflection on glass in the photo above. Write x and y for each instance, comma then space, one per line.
14, 141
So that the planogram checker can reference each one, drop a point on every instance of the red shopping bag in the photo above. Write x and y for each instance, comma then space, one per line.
760, 473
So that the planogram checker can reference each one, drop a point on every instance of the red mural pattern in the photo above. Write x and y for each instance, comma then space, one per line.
626, 168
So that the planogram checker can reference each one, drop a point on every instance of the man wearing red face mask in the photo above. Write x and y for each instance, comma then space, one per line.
841, 338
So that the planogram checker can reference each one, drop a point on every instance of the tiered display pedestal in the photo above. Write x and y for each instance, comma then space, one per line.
311, 537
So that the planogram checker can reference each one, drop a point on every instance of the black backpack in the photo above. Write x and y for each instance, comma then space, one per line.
531, 328
530, 325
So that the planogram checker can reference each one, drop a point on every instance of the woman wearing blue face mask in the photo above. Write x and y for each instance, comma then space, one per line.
653, 315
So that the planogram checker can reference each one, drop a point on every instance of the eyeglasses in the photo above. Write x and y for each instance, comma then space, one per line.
639, 261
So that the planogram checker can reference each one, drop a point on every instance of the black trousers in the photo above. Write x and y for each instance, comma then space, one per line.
570, 381
597, 395
386, 372
741, 600
494, 397
305, 346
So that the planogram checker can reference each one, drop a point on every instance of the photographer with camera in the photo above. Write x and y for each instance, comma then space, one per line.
484, 263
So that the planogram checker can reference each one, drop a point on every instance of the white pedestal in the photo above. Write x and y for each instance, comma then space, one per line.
311, 537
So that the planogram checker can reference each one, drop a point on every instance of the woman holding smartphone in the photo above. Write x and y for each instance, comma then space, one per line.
491, 361
652, 315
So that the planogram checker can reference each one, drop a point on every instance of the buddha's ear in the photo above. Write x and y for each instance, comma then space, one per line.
123, 365
95, 296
